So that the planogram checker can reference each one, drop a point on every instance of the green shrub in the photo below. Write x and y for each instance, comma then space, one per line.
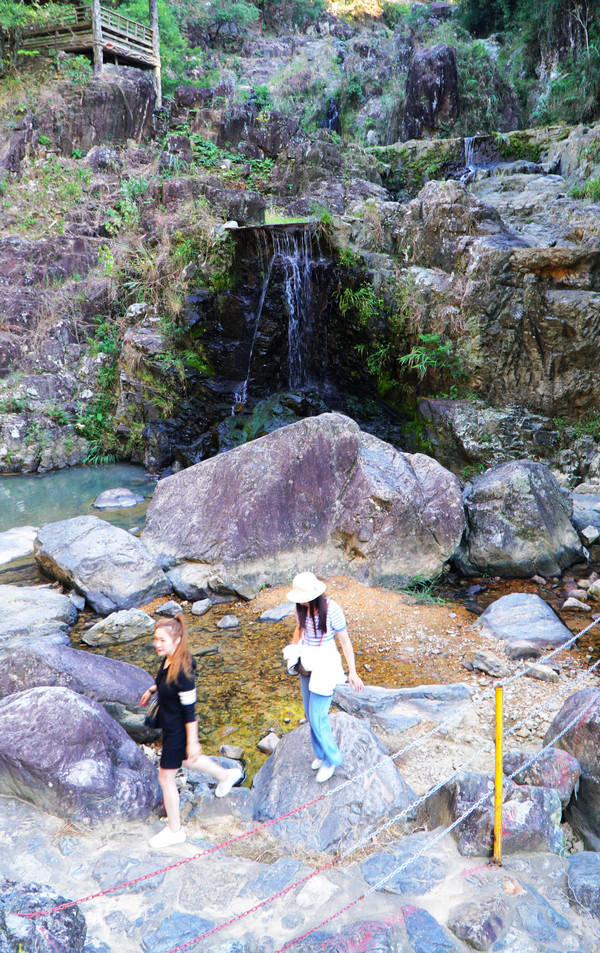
589, 190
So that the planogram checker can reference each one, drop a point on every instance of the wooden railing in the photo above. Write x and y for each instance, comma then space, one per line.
74, 30
125, 27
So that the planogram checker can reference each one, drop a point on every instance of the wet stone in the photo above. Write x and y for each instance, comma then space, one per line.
418, 877
228, 622
170, 609
174, 930
534, 923
119, 498
275, 878
372, 935
113, 869
584, 881
555, 918
480, 923
425, 934
282, 611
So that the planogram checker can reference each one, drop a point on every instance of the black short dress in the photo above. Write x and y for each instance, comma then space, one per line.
177, 705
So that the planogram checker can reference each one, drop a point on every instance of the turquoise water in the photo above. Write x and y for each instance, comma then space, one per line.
33, 500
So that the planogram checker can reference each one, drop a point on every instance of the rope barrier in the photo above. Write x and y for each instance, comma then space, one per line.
330, 793
431, 843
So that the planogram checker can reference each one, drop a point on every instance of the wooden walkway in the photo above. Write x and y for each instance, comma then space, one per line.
105, 33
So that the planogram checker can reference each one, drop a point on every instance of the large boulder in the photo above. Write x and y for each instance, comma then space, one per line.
518, 523
531, 816
319, 494
116, 685
16, 542
65, 754
31, 613
398, 709
555, 769
285, 781
525, 623
66, 928
580, 716
109, 566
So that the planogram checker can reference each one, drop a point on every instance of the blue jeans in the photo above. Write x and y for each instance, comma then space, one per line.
316, 709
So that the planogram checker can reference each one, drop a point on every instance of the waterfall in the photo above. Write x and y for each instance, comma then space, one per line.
266, 260
470, 152
292, 252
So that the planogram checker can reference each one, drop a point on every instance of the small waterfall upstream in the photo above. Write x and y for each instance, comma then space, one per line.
290, 252
470, 153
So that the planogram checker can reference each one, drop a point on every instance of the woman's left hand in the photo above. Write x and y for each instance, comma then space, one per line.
356, 682
193, 750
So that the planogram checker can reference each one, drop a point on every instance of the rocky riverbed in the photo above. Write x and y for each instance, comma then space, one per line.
398, 642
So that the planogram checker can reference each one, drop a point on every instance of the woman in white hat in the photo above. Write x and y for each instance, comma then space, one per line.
319, 621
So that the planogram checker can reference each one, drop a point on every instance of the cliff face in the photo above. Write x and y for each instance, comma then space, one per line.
135, 325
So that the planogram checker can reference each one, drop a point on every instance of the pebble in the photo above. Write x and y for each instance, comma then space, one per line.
201, 607
228, 622
268, 744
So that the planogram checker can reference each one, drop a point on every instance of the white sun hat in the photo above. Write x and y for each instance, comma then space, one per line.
306, 587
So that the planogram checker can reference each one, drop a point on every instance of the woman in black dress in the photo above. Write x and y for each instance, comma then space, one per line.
175, 684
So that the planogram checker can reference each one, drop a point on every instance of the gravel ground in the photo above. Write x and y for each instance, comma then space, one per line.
398, 641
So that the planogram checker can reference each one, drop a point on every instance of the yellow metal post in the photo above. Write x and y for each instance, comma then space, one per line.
498, 781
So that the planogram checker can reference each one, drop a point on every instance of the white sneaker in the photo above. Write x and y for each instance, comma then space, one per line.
167, 838
316, 764
324, 773
225, 786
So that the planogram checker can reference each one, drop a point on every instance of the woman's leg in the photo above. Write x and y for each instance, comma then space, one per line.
166, 779
227, 777
307, 697
321, 727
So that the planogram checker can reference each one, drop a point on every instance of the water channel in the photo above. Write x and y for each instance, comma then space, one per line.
243, 688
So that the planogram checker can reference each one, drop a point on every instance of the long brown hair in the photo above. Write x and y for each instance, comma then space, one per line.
318, 613
181, 657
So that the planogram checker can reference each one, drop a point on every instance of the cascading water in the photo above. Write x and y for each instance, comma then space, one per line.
266, 259
470, 153
289, 250
295, 254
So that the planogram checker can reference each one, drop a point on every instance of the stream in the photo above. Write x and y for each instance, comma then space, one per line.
243, 688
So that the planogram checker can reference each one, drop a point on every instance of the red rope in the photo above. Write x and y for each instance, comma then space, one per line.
173, 866
258, 906
46, 936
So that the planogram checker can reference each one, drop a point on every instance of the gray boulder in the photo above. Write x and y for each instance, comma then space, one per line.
418, 876
32, 613
286, 780
518, 523
398, 709
586, 510
67, 928
530, 816
555, 769
581, 712
109, 566
584, 881
119, 498
16, 542
523, 621
480, 922
65, 754
318, 494
123, 626
118, 686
